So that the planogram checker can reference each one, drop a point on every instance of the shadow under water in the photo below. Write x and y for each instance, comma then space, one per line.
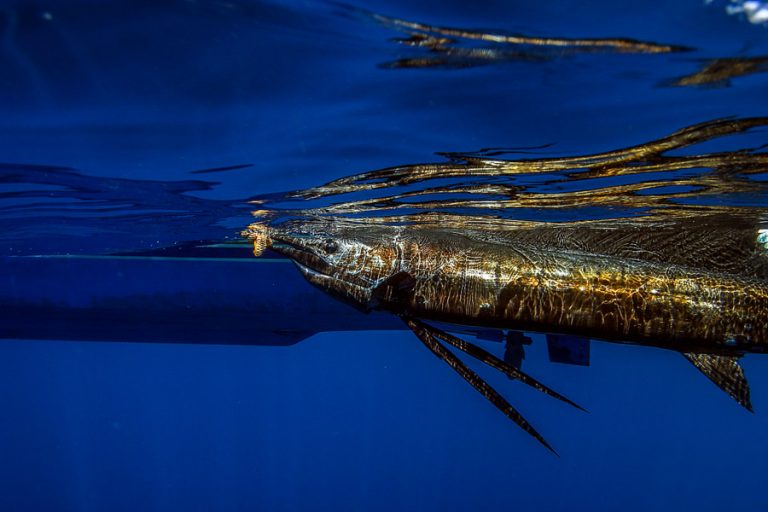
661, 244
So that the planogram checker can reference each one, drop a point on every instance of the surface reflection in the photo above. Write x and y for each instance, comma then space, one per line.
719, 72
448, 47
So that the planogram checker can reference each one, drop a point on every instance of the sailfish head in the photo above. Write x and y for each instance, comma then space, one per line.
345, 259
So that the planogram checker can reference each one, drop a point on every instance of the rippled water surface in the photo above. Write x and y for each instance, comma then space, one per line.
138, 139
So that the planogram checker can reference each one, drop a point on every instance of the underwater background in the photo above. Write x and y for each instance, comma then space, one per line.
132, 127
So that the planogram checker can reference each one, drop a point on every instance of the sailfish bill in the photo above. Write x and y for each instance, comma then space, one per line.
726, 372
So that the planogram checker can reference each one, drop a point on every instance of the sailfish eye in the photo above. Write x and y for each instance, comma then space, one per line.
330, 246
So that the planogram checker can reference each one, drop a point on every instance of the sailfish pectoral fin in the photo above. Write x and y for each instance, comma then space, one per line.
425, 335
726, 372
494, 362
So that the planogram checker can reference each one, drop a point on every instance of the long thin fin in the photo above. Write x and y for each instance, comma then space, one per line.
493, 361
426, 337
726, 372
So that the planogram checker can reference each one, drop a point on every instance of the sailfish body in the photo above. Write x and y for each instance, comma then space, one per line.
709, 314
452, 277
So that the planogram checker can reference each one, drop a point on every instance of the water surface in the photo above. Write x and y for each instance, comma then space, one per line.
133, 127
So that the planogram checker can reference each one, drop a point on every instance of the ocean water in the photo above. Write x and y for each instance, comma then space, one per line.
149, 362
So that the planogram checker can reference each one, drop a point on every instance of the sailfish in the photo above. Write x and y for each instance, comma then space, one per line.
682, 276
640, 288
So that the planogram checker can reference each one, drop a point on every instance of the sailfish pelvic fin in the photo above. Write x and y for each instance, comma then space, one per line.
493, 361
424, 333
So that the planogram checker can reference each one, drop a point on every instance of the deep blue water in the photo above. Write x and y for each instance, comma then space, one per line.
109, 112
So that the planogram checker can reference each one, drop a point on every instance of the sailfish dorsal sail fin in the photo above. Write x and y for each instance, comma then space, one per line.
727, 243
726, 372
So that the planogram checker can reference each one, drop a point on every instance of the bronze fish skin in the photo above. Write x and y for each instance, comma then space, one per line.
451, 277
